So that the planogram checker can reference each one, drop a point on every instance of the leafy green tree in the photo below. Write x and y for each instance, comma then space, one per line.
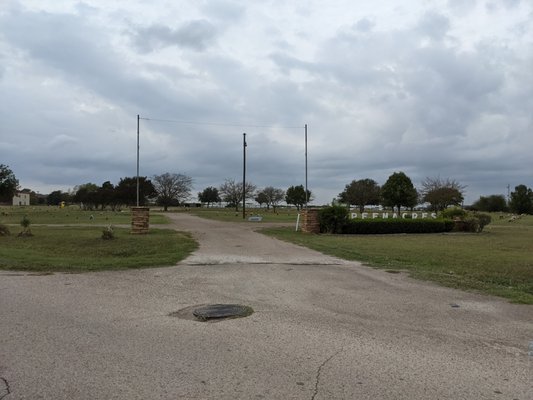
56, 197
8, 184
126, 191
232, 192
86, 195
492, 203
106, 195
209, 195
261, 199
296, 195
442, 193
361, 193
399, 192
172, 188
521, 200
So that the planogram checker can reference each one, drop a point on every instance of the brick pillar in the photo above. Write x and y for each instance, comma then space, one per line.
140, 220
310, 223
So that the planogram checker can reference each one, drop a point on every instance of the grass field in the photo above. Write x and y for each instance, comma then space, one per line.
64, 240
498, 261
70, 215
227, 214
77, 249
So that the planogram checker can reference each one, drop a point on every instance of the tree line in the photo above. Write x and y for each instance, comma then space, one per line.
167, 189
399, 191
233, 194
171, 189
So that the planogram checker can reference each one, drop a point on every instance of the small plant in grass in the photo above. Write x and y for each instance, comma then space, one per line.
483, 220
4, 230
108, 233
25, 223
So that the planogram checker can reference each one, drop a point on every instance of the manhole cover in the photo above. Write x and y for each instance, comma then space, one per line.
212, 312
220, 311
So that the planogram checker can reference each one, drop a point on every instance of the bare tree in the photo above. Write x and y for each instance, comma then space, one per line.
172, 188
442, 193
273, 196
232, 192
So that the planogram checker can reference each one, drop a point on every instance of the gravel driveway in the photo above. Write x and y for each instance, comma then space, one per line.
323, 328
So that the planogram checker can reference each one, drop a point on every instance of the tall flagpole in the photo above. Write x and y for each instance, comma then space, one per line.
138, 118
306, 192
244, 176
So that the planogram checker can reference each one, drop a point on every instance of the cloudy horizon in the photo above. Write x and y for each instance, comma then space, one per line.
431, 88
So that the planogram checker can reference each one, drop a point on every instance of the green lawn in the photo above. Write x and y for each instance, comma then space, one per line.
227, 214
70, 215
76, 249
498, 261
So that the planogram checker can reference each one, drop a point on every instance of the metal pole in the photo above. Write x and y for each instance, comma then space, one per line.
244, 176
138, 119
306, 197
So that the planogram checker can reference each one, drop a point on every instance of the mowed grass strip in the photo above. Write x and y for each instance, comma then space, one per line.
78, 249
281, 215
70, 215
498, 261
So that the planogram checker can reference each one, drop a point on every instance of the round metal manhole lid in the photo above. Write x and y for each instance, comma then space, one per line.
213, 312
221, 311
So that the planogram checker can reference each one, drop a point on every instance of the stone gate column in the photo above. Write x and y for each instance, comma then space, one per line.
310, 223
140, 220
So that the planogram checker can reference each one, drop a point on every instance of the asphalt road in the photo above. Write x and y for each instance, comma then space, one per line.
322, 329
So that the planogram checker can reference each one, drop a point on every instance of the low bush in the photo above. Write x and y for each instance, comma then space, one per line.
26, 231
333, 219
484, 220
4, 230
108, 233
388, 226
452, 213
472, 222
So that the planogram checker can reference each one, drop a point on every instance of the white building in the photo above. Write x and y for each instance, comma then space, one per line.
21, 199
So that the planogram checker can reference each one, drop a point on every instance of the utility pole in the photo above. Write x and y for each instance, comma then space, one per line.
306, 195
244, 176
138, 119
508, 193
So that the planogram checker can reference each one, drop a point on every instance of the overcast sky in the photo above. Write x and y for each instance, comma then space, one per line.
430, 87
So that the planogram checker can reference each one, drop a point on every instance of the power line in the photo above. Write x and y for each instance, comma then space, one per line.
175, 121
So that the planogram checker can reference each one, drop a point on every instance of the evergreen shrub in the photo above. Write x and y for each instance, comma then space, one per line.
388, 226
333, 219
453, 213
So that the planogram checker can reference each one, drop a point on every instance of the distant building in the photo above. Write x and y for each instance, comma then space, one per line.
21, 199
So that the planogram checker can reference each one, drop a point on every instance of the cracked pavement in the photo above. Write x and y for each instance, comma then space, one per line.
322, 328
